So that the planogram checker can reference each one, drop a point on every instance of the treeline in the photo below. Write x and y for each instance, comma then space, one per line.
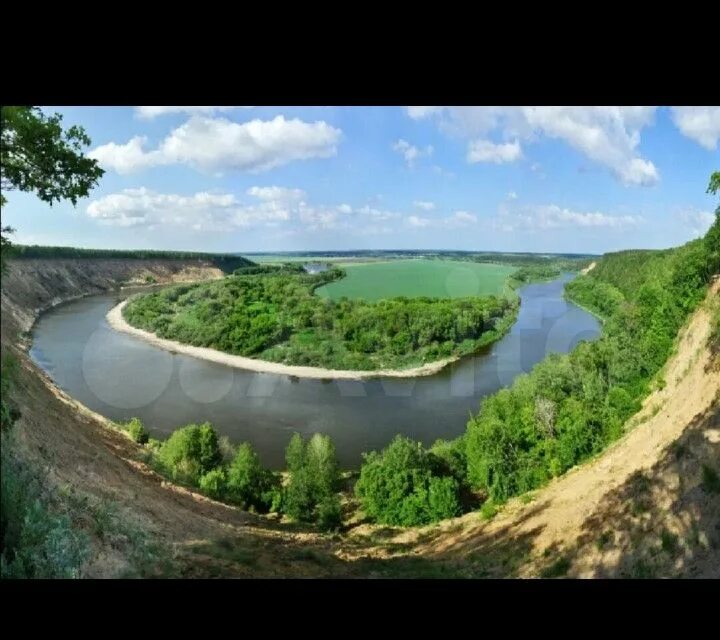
571, 406
195, 456
271, 313
225, 261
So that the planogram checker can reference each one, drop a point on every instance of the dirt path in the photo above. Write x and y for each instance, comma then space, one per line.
116, 321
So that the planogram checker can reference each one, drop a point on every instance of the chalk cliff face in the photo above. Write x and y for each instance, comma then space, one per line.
32, 285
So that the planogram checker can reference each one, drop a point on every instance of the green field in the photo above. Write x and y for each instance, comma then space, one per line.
415, 278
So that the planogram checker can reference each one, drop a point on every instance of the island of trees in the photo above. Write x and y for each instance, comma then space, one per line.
271, 313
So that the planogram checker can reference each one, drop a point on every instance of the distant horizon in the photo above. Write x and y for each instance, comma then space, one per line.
311, 252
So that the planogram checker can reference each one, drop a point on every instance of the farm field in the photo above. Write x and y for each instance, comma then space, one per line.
415, 278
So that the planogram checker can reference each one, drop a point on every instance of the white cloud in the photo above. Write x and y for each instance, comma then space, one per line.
218, 144
456, 220
550, 217
607, 135
697, 221
201, 212
143, 207
345, 208
410, 152
125, 158
425, 205
486, 151
512, 195
152, 112
417, 221
701, 124
276, 193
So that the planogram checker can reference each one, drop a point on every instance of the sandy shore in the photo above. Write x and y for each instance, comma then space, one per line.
116, 321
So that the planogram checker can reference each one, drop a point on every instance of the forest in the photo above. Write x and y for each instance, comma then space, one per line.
224, 261
271, 313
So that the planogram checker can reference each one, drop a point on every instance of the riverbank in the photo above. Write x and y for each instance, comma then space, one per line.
116, 320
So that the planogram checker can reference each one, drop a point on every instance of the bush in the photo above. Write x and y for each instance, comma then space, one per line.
137, 431
310, 495
329, 513
400, 486
450, 458
191, 452
213, 483
36, 542
249, 484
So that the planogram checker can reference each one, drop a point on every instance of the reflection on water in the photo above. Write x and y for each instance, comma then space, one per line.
120, 377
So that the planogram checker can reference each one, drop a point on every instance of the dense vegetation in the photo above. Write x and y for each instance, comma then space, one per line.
311, 493
407, 485
569, 407
226, 262
194, 455
271, 313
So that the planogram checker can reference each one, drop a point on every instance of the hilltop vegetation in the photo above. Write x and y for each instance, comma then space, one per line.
271, 313
571, 406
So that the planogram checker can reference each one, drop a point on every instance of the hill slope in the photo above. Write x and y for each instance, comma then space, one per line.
644, 507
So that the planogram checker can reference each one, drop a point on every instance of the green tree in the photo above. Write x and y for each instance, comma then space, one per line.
137, 431
214, 483
311, 493
191, 452
248, 483
37, 155
400, 486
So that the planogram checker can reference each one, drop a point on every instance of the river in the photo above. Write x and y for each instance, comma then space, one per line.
121, 376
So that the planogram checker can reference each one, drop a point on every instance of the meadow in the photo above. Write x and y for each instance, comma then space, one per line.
417, 278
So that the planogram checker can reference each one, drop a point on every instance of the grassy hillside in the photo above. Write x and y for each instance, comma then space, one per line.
413, 278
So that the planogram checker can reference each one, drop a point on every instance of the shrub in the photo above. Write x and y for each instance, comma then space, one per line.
249, 484
36, 542
191, 452
329, 513
137, 431
213, 483
399, 486
310, 495
450, 458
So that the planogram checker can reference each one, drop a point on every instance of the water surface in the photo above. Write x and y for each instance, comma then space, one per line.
121, 376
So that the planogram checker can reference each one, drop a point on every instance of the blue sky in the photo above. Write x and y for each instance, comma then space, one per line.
561, 179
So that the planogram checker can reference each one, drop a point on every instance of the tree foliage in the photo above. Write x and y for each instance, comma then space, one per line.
311, 492
272, 314
191, 452
249, 484
403, 485
38, 156
571, 406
